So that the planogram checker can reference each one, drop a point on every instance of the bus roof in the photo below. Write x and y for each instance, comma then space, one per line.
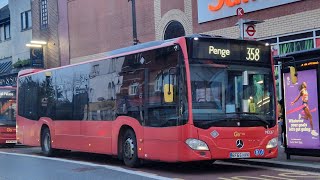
7, 87
28, 71
131, 50
111, 54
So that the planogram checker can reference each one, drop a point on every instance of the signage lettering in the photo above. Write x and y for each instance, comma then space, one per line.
238, 134
6, 94
222, 52
8, 81
209, 10
229, 3
253, 54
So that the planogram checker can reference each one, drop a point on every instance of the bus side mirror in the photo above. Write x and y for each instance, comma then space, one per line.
168, 93
293, 75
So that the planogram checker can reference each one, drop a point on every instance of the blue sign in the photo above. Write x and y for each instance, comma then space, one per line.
259, 152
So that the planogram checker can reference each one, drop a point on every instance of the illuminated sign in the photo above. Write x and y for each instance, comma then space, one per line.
222, 52
253, 54
302, 114
6, 94
230, 50
310, 64
209, 10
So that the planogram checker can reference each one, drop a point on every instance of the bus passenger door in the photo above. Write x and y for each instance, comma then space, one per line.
161, 131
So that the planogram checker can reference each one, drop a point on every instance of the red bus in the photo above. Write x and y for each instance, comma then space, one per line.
194, 98
7, 116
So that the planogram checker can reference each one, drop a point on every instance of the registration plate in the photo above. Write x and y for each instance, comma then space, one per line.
239, 154
11, 141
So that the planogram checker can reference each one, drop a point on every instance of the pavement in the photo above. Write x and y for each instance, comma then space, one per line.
303, 163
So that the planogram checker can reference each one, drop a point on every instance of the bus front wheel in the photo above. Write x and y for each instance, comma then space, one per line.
129, 149
46, 143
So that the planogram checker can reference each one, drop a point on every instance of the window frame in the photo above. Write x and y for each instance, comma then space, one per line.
28, 25
5, 31
44, 17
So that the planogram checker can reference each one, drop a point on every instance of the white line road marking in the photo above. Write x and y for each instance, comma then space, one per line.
270, 168
115, 168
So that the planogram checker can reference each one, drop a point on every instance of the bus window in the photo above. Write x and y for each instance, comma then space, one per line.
162, 72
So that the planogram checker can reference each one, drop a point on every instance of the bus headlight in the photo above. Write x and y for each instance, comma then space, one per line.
197, 144
272, 143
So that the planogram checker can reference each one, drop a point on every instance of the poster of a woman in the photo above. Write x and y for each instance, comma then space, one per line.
301, 110
306, 111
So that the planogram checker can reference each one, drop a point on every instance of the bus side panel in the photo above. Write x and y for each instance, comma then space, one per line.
28, 131
96, 136
66, 135
121, 122
162, 143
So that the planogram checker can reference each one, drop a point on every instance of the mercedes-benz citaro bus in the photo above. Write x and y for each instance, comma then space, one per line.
7, 116
193, 98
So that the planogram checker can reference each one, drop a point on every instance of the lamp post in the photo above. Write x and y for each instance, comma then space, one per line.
134, 23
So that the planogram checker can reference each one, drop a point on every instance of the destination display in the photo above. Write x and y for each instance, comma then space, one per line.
230, 50
7, 93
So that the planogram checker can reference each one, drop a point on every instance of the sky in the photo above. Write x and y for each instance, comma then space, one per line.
3, 3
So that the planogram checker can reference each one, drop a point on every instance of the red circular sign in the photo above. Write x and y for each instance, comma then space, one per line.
240, 12
250, 30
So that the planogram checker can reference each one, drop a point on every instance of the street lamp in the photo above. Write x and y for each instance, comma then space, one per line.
36, 44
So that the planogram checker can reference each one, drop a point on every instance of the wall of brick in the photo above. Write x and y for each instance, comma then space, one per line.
162, 20
279, 20
63, 31
101, 26
107, 25
277, 26
167, 5
49, 34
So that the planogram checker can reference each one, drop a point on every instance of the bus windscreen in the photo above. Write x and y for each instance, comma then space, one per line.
7, 107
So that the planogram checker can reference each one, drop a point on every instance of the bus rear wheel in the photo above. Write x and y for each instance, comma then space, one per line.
129, 149
47, 150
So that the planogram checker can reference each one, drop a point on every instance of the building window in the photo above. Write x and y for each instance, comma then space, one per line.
173, 30
26, 20
133, 89
296, 46
7, 31
44, 13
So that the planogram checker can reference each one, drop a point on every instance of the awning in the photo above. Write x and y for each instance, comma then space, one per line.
5, 67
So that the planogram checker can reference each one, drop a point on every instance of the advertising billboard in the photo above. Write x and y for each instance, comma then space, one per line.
209, 10
302, 113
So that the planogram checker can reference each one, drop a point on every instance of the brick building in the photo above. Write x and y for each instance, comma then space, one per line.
100, 26
45, 22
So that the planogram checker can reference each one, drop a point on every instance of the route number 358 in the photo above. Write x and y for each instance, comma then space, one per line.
253, 54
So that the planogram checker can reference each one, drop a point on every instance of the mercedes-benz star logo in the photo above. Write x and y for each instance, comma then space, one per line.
239, 143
